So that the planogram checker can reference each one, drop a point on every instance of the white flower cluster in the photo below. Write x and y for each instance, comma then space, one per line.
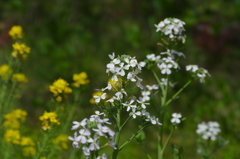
89, 133
200, 73
172, 27
176, 118
125, 65
137, 107
165, 61
127, 68
208, 130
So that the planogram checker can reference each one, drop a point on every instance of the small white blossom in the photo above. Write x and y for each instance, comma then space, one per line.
153, 57
75, 140
192, 68
165, 68
134, 114
94, 143
129, 105
99, 97
142, 102
78, 124
153, 87
176, 118
86, 151
145, 95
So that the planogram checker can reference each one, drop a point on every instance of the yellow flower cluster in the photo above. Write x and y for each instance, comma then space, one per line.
20, 77
5, 71
47, 118
28, 146
60, 88
16, 32
61, 142
20, 49
12, 134
13, 119
80, 79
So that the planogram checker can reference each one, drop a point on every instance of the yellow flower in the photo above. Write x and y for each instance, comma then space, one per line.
60, 88
16, 32
20, 48
12, 136
11, 124
115, 84
48, 117
80, 79
59, 98
61, 142
13, 119
20, 77
5, 71
26, 141
29, 151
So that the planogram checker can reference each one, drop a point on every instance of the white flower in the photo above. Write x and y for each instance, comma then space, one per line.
202, 73
202, 127
86, 151
129, 105
192, 68
164, 81
142, 102
112, 56
141, 65
133, 74
133, 62
154, 120
120, 70
153, 57
165, 68
75, 140
111, 66
176, 118
78, 124
153, 87
99, 97
83, 133
101, 130
145, 95
94, 143
134, 114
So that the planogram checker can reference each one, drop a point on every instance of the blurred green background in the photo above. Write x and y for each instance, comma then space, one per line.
70, 36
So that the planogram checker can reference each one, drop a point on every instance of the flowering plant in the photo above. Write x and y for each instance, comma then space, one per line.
121, 102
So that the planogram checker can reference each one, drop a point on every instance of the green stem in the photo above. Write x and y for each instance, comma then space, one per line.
169, 137
129, 117
130, 139
117, 136
178, 92
42, 146
158, 80
162, 115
